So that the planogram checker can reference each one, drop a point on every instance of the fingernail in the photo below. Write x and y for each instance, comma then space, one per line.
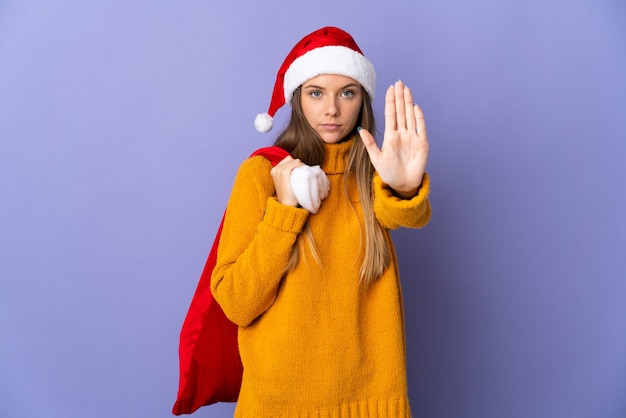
359, 129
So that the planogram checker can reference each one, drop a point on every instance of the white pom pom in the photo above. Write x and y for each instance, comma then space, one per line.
263, 122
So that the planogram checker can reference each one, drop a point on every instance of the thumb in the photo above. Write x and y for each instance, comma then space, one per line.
370, 144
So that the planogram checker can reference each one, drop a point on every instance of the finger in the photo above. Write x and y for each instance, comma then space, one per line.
410, 113
286, 165
370, 145
284, 161
400, 108
390, 110
420, 122
289, 163
293, 165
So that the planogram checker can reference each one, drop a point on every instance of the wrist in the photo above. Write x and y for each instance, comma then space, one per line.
405, 194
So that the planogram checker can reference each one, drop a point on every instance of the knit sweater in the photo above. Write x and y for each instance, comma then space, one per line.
313, 343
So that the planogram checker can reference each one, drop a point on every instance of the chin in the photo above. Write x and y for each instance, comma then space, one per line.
330, 140
333, 139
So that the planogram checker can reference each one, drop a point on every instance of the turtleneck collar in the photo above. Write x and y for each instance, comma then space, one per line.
336, 156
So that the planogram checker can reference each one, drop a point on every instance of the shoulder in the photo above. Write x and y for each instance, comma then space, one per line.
255, 165
254, 172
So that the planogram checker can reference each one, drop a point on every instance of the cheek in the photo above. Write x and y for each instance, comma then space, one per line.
308, 110
354, 112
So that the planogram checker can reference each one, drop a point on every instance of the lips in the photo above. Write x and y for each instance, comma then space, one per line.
331, 126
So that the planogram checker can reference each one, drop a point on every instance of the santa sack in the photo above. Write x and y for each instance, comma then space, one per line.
210, 366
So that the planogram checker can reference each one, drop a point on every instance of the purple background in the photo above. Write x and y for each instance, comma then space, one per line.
122, 124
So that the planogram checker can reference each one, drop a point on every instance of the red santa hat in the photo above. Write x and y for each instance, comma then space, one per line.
328, 50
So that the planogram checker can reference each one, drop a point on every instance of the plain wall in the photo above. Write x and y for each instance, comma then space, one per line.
122, 124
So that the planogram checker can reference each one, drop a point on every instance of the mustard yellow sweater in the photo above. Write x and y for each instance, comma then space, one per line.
313, 344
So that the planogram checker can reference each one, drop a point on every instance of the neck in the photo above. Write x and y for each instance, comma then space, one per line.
336, 156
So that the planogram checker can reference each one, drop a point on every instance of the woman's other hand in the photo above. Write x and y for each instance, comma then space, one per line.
281, 175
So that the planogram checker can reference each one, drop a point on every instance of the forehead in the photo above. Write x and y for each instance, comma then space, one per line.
330, 81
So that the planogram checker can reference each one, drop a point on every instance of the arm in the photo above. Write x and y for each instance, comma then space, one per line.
401, 160
393, 211
400, 185
255, 245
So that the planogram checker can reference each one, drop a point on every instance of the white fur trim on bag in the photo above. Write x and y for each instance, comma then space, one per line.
310, 185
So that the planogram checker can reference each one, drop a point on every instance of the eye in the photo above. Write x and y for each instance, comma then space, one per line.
347, 93
315, 93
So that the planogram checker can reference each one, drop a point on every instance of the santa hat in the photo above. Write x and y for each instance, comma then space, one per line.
328, 50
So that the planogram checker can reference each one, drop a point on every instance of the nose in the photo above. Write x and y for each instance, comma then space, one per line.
332, 107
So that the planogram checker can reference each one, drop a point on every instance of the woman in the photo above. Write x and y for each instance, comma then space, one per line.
315, 292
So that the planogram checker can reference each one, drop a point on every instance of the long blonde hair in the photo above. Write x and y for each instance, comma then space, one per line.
301, 140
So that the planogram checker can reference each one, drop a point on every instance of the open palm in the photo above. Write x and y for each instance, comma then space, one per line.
401, 160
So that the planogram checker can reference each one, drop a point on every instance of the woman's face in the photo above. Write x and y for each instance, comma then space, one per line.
331, 104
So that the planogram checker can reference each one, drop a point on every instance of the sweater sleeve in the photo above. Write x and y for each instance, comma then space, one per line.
255, 246
393, 212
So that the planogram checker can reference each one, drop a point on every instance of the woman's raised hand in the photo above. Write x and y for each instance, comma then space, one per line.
401, 161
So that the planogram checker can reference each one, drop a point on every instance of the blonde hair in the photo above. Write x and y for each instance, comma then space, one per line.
301, 140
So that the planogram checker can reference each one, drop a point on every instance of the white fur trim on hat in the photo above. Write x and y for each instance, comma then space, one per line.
330, 60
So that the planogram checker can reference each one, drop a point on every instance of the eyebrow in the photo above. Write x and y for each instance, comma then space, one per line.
313, 86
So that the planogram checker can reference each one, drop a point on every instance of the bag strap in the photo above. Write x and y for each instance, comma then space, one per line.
274, 154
